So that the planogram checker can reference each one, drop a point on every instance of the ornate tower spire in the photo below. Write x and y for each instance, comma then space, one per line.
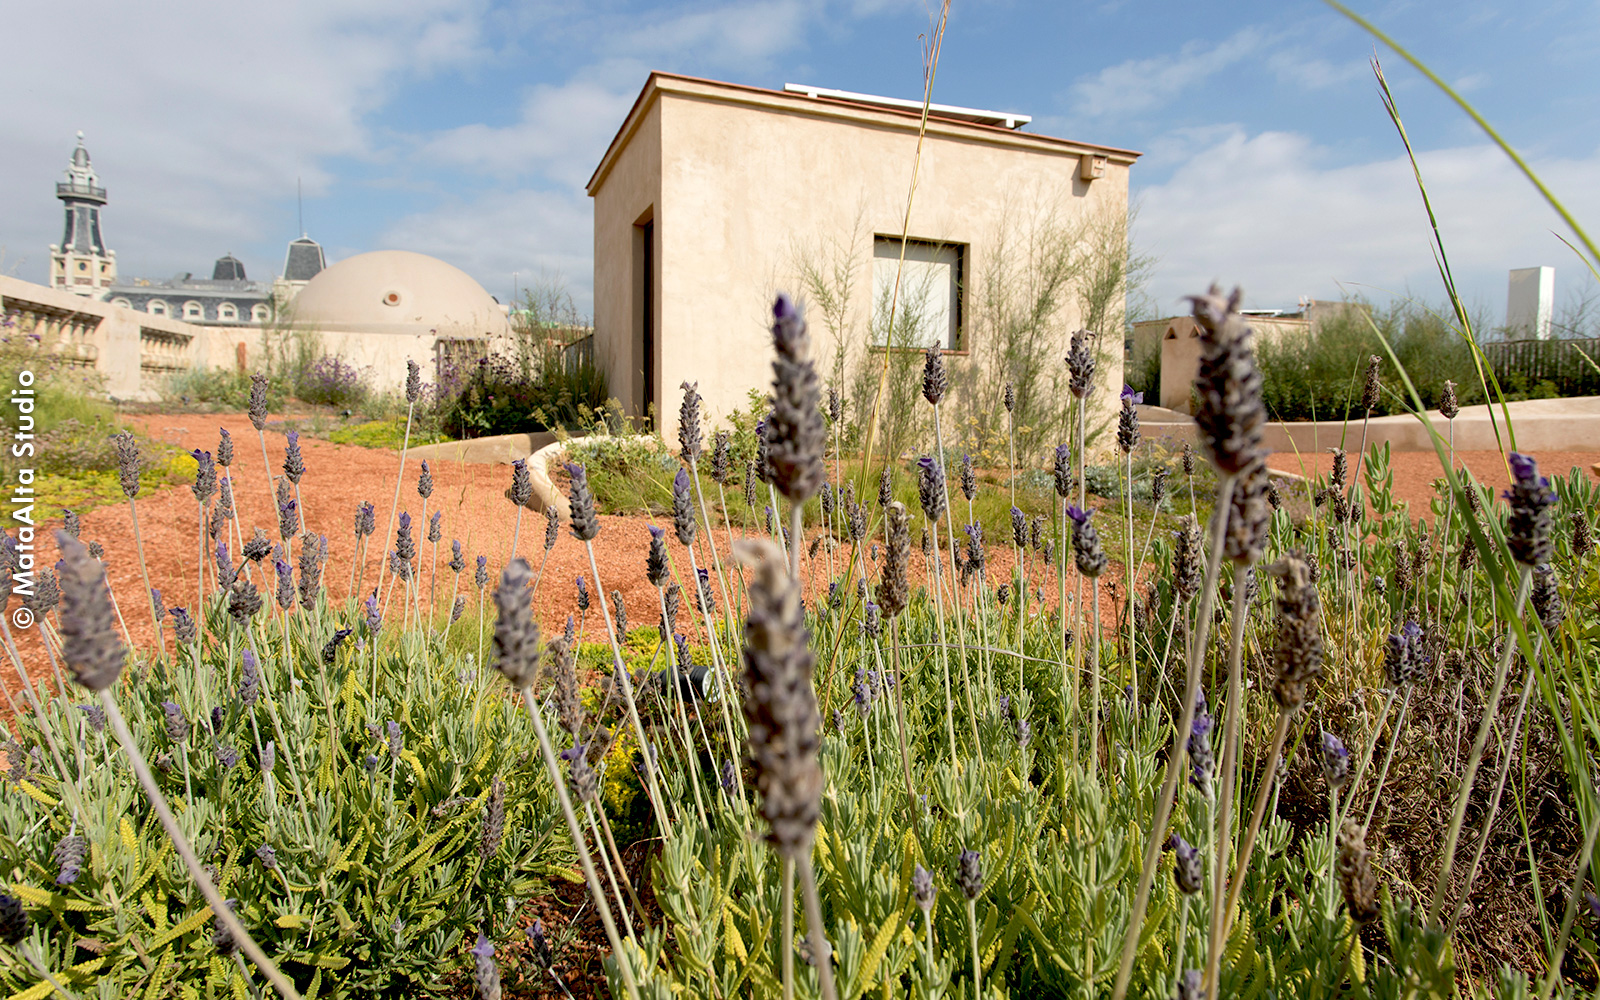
82, 264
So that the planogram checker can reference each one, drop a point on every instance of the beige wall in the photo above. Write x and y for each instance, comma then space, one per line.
132, 351
631, 195
740, 181
1180, 349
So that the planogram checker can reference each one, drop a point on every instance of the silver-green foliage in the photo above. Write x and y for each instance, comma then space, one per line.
378, 878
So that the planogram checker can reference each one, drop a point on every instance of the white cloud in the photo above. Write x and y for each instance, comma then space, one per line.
732, 35
524, 231
1296, 66
1142, 84
562, 132
1273, 213
201, 116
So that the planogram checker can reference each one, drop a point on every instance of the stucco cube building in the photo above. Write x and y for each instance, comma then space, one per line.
711, 196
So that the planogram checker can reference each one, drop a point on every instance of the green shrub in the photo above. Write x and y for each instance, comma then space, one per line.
1320, 376
332, 381
544, 388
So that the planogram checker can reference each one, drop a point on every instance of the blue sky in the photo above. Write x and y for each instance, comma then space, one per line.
467, 129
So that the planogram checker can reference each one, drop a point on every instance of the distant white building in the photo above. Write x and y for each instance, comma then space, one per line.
1530, 303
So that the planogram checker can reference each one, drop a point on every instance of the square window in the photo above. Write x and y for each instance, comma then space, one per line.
927, 309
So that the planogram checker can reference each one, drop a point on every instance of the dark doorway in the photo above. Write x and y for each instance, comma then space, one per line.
644, 274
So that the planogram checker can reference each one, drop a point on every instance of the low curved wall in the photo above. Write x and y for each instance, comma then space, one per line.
1541, 425
545, 493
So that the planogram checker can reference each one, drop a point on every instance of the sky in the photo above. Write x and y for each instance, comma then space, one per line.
467, 128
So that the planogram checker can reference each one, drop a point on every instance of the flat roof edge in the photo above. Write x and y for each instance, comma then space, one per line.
835, 107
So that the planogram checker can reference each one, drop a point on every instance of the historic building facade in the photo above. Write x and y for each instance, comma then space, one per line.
81, 264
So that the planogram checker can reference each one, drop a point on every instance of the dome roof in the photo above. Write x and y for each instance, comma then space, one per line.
397, 291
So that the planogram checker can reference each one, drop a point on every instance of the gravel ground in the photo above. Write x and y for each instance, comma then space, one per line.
1415, 472
472, 497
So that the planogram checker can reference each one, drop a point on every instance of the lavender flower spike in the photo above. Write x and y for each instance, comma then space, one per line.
89, 642
1091, 559
585, 523
1128, 420
795, 431
127, 463
486, 975
1529, 525
1228, 384
935, 381
690, 442
516, 633
1080, 365
683, 521
258, 401
288, 511
294, 465
781, 709
930, 487
205, 476
655, 566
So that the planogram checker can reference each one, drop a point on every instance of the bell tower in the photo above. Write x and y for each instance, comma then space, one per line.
82, 264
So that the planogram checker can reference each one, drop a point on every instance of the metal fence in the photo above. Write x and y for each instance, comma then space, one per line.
1555, 361
579, 352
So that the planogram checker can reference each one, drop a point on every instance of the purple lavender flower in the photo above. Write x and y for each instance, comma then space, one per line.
655, 566
1091, 559
1335, 760
68, 856
1201, 760
1063, 470
225, 570
285, 592
288, 511
1188, 871
205, 476
922, 888
249, 678
294, 465
683, 521
374, 619
1529, 524
930, 488
183, 627
178, 727
486, 974
580, 502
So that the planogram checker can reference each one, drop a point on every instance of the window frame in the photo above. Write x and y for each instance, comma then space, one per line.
957, 342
